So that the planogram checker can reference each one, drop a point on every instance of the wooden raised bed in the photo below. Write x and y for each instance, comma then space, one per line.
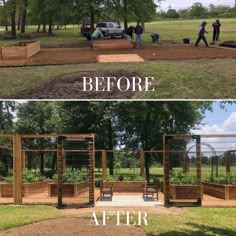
112, 44
22, 50
125, 186
6, 190
28, 189
68, 190
227, 192
181, 192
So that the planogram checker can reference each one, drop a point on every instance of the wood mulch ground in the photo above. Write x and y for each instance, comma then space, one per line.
177, 52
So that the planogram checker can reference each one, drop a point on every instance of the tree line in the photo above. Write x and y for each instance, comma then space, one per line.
123, 125
198, 11
47, 13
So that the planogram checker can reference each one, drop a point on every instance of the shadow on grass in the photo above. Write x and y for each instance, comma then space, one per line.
198, 230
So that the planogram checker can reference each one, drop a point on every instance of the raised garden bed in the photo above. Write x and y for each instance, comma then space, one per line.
181, 192
29, 189
126, 186
68, 189
227, 192
22, 50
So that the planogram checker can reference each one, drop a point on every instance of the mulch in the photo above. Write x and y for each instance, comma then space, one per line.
71, 86
176, 52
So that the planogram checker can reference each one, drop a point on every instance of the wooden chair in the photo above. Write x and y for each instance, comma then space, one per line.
105, 190
151, 189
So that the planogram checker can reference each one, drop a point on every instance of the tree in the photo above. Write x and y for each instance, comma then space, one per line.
197, 10
38, 118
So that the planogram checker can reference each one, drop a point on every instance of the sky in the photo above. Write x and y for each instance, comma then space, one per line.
180, 4
219, 121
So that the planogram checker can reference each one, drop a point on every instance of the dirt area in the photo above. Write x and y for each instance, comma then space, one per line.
72, 226
58, 56
71, 86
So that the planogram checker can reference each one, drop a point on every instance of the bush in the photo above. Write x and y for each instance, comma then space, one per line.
180, 178
71, 176
127, 178
226, 179
31, 177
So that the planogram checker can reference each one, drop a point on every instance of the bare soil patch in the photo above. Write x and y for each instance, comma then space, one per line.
71, 86
177, 52
72, 226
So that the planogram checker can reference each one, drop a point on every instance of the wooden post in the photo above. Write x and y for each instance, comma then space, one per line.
23, 160
227, 159
17, 167
198, 163
166, 165
142, 161
64, 159
59, 170
104, 164
91, 172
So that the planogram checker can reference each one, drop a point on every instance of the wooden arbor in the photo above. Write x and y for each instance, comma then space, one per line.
18, 160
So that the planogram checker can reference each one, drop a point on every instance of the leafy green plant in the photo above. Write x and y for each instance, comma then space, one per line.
180, 178
31, 177
126, 178
226, 179
71, 176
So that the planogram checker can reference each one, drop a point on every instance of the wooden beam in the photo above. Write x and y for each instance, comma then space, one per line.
23, 160
17, 173
34, 136
199, 177
142, 162
166, 165
92, 172
59, 170
227, 159
104, 164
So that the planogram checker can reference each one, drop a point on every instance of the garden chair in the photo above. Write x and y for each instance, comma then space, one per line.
151, 189
106, 190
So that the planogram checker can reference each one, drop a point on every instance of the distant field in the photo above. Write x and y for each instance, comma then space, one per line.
174, 30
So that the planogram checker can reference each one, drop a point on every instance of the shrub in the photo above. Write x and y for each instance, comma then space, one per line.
71, 176
180, 178
127, 178
226, 179
31, 177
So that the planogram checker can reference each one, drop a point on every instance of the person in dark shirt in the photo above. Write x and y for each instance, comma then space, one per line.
201, 34
130, 31
139, 32
216, 30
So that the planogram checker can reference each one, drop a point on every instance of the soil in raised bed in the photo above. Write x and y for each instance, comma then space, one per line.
71, 86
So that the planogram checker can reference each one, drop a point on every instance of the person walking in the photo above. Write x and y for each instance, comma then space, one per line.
216, 30
201, 34
138, 32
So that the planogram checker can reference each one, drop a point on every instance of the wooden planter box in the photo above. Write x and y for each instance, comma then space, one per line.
68, 190
29, 189
6, 190
227, 192
125, 186
183, 192
22, 50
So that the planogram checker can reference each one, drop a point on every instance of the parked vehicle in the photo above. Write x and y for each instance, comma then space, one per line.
85, 28
111, 29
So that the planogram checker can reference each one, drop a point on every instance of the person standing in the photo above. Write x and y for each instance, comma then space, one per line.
201, 34
216, 30
138, 32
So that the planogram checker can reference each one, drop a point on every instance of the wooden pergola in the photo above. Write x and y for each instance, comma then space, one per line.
19, 160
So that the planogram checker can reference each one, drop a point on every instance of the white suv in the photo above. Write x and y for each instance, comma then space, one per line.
111, 29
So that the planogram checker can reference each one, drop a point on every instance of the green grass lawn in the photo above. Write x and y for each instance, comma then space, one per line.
169, 30
209, 79
195, 222
13, 216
